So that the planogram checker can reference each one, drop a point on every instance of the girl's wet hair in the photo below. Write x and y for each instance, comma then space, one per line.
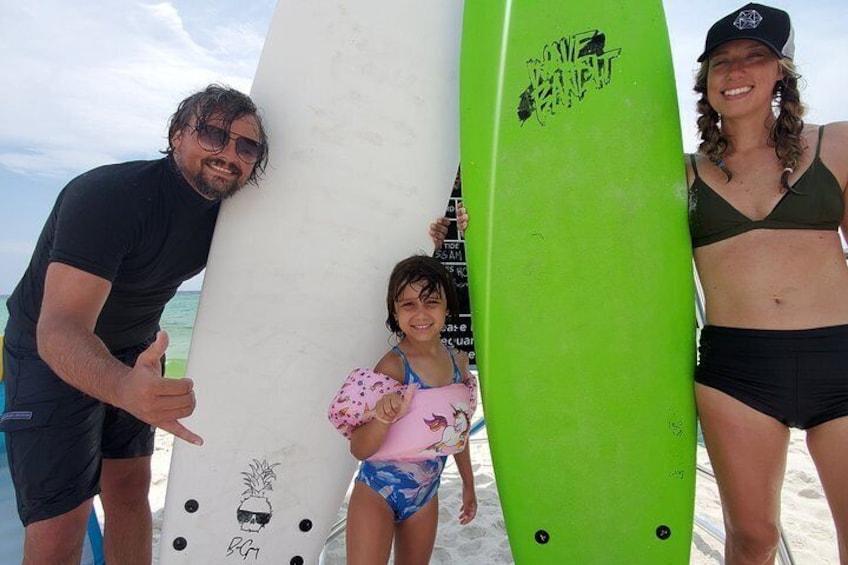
784, 136
434, 279
221, 103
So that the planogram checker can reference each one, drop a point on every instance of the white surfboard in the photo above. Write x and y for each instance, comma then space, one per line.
360, 99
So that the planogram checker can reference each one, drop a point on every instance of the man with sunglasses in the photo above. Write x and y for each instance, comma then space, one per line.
83, 353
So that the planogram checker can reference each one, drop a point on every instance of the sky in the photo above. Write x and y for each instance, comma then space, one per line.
92, 82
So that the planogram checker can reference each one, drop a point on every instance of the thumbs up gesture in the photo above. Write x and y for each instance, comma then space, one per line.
394, 406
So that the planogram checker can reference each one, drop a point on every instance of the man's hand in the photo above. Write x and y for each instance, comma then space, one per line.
161, 402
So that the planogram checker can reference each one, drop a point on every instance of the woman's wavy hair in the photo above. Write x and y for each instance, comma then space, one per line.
785, 133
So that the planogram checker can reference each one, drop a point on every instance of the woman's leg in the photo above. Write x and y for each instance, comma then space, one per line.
828, 445
747, 450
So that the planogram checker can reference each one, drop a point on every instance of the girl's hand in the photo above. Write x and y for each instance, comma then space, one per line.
393, 406
469, 505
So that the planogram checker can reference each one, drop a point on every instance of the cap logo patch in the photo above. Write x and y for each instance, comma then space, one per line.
748, 19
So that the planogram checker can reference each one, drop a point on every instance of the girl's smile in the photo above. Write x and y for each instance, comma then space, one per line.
419, 315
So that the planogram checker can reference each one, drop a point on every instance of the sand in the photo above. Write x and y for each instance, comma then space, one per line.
806, 519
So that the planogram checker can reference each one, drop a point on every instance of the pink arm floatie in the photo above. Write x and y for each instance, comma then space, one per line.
436, 424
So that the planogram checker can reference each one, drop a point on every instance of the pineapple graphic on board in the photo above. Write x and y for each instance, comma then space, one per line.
255, 510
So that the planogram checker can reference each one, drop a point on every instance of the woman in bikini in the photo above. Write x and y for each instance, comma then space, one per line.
766, 203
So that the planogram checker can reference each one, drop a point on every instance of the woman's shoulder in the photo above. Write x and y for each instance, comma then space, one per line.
834, 131
692, 162
834, 149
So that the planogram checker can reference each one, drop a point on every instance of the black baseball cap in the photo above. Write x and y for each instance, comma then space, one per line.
770, 26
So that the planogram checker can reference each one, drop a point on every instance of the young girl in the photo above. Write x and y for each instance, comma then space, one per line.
403, 419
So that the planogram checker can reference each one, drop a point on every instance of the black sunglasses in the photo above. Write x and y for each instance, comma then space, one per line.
215, 139
260, 517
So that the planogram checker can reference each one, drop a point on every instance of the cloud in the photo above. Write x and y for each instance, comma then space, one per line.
95, 81
90, 82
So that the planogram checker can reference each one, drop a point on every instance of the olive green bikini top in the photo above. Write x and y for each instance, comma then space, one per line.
814, 203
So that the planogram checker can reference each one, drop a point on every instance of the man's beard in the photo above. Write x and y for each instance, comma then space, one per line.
209, 191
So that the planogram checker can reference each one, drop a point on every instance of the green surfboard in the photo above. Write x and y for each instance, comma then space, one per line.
580, 276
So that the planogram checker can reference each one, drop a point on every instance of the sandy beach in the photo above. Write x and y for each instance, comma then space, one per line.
806, 519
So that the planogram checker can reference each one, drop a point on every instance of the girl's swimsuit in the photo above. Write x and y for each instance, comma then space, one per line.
406, 485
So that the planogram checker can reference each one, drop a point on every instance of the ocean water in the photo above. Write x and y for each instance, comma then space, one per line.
177, 320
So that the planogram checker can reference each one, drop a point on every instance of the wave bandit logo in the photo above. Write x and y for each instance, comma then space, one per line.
568, 68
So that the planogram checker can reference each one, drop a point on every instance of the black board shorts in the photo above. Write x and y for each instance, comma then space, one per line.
57, 436
799, 377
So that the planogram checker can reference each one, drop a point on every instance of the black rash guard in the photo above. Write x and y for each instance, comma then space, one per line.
139, 225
